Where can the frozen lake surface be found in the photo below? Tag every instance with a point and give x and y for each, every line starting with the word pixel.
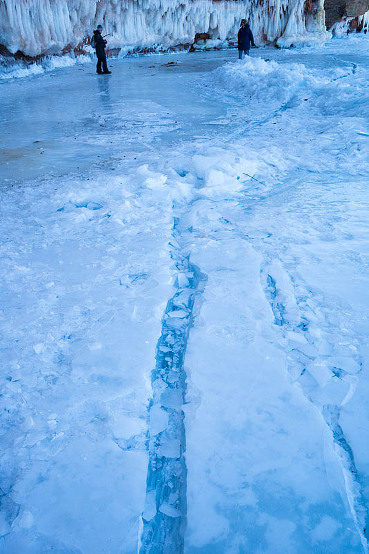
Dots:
pixel 76 118
pixel 184 305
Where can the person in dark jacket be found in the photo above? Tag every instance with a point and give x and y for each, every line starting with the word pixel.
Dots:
pixel 100 44
pixel 245 39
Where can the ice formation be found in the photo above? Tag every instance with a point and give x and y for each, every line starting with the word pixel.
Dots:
pixel 37 27
pixel 363 22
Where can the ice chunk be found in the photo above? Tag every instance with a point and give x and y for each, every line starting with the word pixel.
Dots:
pixel 183 298
pixel 183 281
pixel 175 322
pixel 164 349
pixel 150 505
pixel 171 398
pixel 347 364
pixel 158 419
pixel 169 510
pixel 39 348
pixel 320 372
pixel 178 313
pixel 170 449
pixel 93 206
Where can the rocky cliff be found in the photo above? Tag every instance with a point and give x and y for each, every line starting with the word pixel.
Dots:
pixel 336 10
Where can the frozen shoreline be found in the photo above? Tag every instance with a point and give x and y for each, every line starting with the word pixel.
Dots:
pixel 261 167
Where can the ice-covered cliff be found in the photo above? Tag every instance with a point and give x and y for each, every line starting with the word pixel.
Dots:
pixel 353 13
pixel 37 27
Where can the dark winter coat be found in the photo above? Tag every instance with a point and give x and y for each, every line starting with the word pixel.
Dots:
pixel 100 44
pixel 245 37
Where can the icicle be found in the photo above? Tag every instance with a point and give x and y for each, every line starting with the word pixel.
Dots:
pixel 43 26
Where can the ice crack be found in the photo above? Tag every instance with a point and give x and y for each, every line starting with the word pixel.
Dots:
pixel 304 356
pixel 164 517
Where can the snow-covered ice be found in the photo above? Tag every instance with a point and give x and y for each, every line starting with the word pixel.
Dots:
pixel 187 236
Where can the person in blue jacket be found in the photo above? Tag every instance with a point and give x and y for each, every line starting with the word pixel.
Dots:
pixel 99 43
pixel 245 39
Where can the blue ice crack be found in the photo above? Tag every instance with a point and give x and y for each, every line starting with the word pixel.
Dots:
pixel 164 517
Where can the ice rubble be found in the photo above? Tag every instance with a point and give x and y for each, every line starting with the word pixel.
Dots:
pixel 42 26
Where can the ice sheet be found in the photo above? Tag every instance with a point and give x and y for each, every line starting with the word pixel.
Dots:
pixel 254 171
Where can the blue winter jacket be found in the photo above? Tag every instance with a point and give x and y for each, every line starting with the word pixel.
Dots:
pixel 245 37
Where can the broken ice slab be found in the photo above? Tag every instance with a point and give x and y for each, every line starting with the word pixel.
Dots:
pixel 336 392
pixel 164 349
pixel 158 420
pixel 169 510
pixel 171 398
pixel 170 449
pixel 181 314
pixel 183 298
pixel 296 337
pixel 170 339
pixel 175 322
pixel 158 388
pixel 319 370
pixel 183 280
pixel 150 505
pixel 173 377
pixel 174 496
pixel 304 347
pixel 347 364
